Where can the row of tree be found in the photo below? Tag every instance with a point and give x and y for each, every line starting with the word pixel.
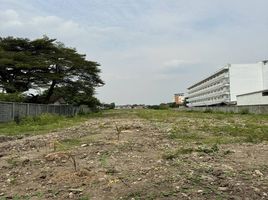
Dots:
pixel 59 71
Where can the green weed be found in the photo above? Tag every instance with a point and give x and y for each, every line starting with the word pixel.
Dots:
pixel 211 127
pixel 39 124
pixel 104 159
pixel 170 155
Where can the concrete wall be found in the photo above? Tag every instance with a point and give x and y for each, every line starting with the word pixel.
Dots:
pixel 252 99
pixel 265 76
pixel 245 78
pixel 9 110
pixel 255 109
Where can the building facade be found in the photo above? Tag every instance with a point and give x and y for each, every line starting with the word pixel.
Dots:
pixel 179 98
pixel 253 98
pixel 223 86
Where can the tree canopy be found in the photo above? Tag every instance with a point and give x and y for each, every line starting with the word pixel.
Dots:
pixel 45 63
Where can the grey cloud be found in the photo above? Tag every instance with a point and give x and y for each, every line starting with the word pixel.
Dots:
pixel 148 49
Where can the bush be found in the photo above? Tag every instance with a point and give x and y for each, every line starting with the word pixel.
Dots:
pixel 41 119
pixel 14 97
pixel 155 107
pixel 208 110
pixel 244 111
pixel 163 106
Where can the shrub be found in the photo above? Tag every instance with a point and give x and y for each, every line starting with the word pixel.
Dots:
pixel 13 97
pixel 208 110
pixel 244 111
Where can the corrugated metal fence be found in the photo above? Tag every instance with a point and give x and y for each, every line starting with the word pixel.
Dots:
pixel 10 110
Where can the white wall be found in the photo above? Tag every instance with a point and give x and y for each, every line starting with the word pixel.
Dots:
pixel 245 78
pixel 252 99
pixel 265 76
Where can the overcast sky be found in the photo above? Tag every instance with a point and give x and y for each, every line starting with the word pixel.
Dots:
pixel 148 49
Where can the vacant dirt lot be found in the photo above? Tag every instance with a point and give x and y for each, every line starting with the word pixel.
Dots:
pixel 141 155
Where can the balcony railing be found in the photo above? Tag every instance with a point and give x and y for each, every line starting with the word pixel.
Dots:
pixel 212 95
pixel 211 102
pixel 205 91
pixel 209 82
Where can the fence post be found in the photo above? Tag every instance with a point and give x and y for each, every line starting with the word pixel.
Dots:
pixel 13 111
pixel 27 109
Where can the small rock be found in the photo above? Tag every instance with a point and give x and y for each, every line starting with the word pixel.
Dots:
pixel 25 161
pixel 84 145
pixel 2 194
pixel 71 195
pixel 75 190
pixel 139 179
pixel 258 172
pixel 183 194
pixel 177 187
pixel 169 129
pixel 200 191
pixel 265 194
pixel 83 156
pixel 101 179
pixel 207 178
pixel 222 188
pixel 256 189
pixel 43 176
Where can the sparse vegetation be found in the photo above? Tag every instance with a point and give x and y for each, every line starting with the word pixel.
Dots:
pixel 188 150
pixel 138 154
pixel 209 127
pixel 39 124
pixel 118 131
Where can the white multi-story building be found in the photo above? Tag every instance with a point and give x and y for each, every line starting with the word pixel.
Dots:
pixel 223 86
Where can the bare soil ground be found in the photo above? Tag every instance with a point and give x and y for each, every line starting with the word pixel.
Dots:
pixel 89 162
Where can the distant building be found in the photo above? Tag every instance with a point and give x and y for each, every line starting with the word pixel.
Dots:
pixel 230 83
pixel 135 106
pixel 179 98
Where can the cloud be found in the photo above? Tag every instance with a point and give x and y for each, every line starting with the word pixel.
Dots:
pixel 14 24
pixel 176 63
pixel 148 49
pixel 9 18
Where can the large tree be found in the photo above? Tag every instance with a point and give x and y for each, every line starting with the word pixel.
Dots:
pixel 46 63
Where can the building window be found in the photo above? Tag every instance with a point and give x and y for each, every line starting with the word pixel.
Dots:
pixel 265 93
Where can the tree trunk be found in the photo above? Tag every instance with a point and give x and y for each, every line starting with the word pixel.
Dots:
pixel 50 91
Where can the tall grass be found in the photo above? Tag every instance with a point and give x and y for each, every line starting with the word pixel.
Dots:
pixel 39 124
